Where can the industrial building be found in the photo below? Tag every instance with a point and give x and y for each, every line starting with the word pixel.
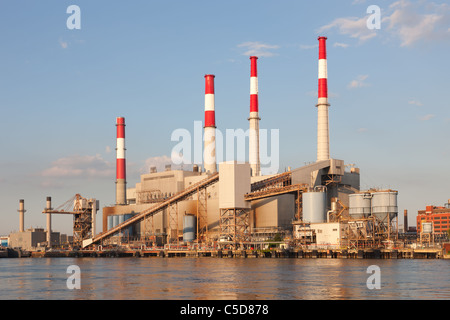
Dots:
pixel 33 239
pixel 305 198
pixel 434 219
pixel 231 203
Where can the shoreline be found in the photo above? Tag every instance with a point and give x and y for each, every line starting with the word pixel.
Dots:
pixel 428 253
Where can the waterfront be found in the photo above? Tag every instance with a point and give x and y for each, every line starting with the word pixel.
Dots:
pixel 223 279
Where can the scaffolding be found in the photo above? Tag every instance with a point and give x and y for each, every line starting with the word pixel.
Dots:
pixel 235 226
pixel 169 204
pixel 370 232
pixel 83 212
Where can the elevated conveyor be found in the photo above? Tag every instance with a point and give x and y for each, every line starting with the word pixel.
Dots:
pixel 182 195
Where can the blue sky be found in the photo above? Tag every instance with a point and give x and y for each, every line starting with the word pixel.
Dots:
pixel 62 89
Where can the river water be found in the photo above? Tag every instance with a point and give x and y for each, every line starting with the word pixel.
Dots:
pixel 222 279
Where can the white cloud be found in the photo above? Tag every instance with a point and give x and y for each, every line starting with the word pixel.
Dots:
pixel 358 82
pixel 108 149
pixel 420 21
pixel 259 49
pixel 404 20
pixel 63 44
pixel 427 117
pixel 80 166
pixel 415 102
pixel 353 27
pixel 340 44
pixel 160 163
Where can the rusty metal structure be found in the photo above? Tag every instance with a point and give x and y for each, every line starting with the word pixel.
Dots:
pixel 83 211
pixel 169 204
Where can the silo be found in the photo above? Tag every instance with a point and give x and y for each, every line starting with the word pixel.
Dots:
pixel 189 227
pixel 121 219
pixel 128 230
pixel 110 222
pixel 384 205
pixel 427 227
pixel 359 205
pixel 115 220
pixel 314 205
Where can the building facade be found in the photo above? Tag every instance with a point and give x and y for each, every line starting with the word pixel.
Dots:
pixel 438 216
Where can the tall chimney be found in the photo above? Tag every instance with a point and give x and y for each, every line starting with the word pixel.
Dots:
pixel 49 220
pixel 323 137
pixel 21 215
pixel 254 159
pixel 121 191
pixel 405 221
pixel 209 152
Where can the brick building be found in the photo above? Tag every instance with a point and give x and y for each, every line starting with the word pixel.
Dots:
pixel 439 216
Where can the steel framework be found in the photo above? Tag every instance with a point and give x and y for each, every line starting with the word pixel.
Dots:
pixel 235 225
pixel 202 215
pixel 182 195
pixel 82 217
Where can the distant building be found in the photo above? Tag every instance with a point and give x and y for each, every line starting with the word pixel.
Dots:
pixel 438 216
pixel 32 239
pixel 4 241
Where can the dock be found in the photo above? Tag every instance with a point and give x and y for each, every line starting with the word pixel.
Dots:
pixel 422 253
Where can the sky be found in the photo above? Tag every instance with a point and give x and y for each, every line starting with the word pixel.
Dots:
pixel 61 89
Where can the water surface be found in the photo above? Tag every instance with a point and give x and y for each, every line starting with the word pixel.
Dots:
pixel 230 279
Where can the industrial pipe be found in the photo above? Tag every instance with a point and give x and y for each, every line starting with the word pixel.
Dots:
pixel 254 158
pixel 121 191
pixel 209 152
pixel 323 137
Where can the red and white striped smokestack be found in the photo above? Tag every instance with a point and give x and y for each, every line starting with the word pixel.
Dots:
pixel 121 195
pixel 323 138
pixel 254 159
pixel 209 155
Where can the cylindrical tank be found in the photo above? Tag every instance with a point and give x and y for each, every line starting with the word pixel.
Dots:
pixel 384 205
pixel 127 231
pixel 189 227
pixel 359 205
pixel 115 220
pixel 427 227
pixel 314 206
pixel 110 222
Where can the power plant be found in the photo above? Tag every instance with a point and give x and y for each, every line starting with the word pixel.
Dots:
pixel 233 206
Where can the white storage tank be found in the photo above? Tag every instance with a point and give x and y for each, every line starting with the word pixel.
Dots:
pixel 115 220
pixel 359 205
pixel 384 205
pixel 189 227
pixel 110 222
pixel 427 227
pixel 314 205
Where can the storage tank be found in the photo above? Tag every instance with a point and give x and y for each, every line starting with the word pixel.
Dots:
pixel 128 230
pixel 427 227
pixel 189 227
pixel 110 222
pixel 314 205
pixel 359 205
pixel 115 220
pixel 384 205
